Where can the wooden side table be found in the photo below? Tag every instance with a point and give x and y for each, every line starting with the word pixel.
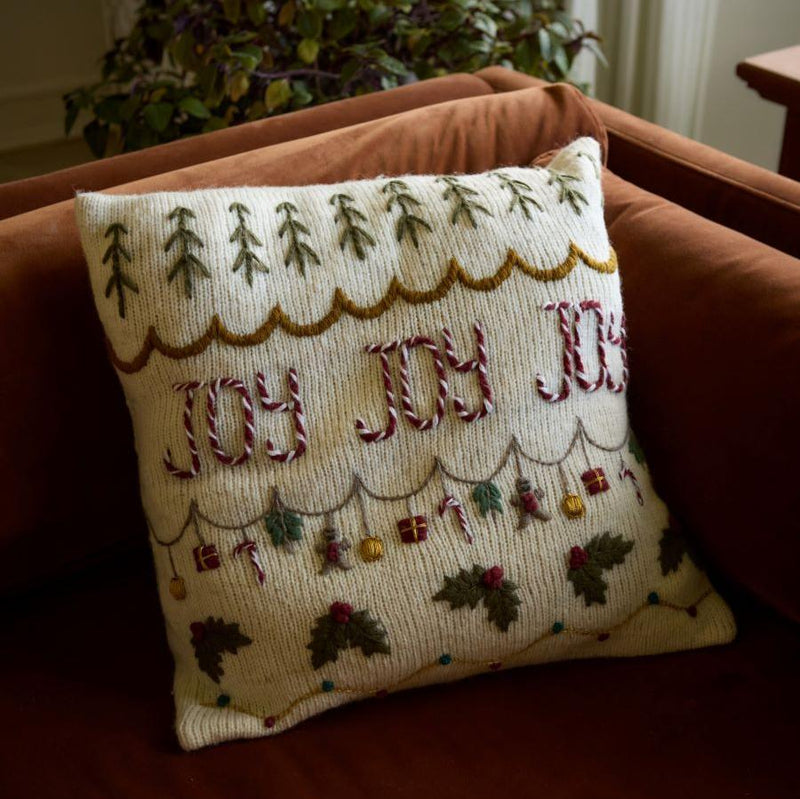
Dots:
pixel 776 77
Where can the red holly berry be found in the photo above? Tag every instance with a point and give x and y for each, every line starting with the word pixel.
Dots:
pixel 198 630
pixel 341 612
pixel 269 722
pixel 577 557
pixel 493 578
pixel 495 665
pixel 332 552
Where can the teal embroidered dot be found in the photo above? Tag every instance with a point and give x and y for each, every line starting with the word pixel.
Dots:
pixel 652 598
pixel 327 686
pixel 558 627
pixel 445 660
pixel 223 700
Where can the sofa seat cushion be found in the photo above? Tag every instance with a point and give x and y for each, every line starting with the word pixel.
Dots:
pixel 88 716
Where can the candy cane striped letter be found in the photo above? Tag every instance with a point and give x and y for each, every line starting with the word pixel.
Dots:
pixel 551 395
pixel 211 412
pixel 476 364
pixel 580 368
pixel 295 407
pixel 186 474
pixel 373 436
pixel 620 341
pixel 405 383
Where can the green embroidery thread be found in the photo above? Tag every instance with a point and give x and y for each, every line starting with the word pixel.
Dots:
pixel 674 544
pixel 566 191
pixel 587 564
pixel 408 221
pixel 350 217
pixel 116 251
pixel 520 194
pixel 246 239
pixel 344 628
pixel 464 206
pixel 592 160
pixel 187 263
pixel 284 527
pixel 212 637
pixel 297 251
pixel 468 588
pixel 487 496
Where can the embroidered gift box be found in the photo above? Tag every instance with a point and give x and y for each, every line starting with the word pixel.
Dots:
pixel 311 370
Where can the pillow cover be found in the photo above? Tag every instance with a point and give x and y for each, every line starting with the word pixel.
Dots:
pixel 383 437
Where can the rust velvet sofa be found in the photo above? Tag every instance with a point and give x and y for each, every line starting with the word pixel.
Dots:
pixel 708 250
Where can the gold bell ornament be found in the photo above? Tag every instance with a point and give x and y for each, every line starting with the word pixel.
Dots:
pixel 573 507
pixel 177 587
pixel 371 548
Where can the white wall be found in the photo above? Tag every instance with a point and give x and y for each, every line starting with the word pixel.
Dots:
pixel 47 48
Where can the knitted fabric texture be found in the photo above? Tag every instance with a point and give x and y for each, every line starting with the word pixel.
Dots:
pixel 383 437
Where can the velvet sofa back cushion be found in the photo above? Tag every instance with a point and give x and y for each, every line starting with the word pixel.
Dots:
pixel 63 403
pixel 28 194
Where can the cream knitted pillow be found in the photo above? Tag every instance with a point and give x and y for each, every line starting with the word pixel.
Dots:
pixel 383 437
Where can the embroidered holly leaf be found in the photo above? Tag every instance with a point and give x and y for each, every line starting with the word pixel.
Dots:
pixel 211 639
pixel 488 497
pixel 465 588
pixel 635 448
pixel 284 527
pixel 608 550
pixel 368 634
pixel 588 582
pixel 328 638
pixel 502 604
pixel 674 544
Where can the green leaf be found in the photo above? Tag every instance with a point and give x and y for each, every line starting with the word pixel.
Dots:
pixel 158 115
pixel 328 638
pixel 544 43
pixel 309 24
pixel 635 448
pixel 307 50
pixel 232 9
pixel 193 107
pixel 465 589
pixel 561 61
pixel 503 604
pixel 488 497
pixel 284 527
pixel 214 123
pixel 96 136
pixel 278 94
pixel 606 550
pixel 588 582
pixel 342 23
pixel 72 114
pixel 217 638
pixel 674 544
pixel 368 634
pixel 256 12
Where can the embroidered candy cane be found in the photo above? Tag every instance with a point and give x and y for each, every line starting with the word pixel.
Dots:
pixel 405 384
pixel 188 427
pixel 624 472
pixel 211 411
pixel 295 407
pixel 450 501
pixel 373 436
pixel 620 341
pixel 251 549
pixel 476 364
pixel 580 369
pixel 566 383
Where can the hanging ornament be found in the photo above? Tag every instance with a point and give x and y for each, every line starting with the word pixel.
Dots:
pixel 206 557
pixel 572 505
pixel 177 587
pixel 251 549
pixel 413 529
pixel 595 481
pixel 333 549
pixel 625 471
pixel 450 501
pixel 371 548
pixel 528 503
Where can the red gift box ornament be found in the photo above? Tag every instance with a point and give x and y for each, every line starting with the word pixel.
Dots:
pixel 206 557
pixel 413 530
pixel 595 481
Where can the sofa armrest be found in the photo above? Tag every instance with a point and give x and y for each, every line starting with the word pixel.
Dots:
pixel 724 189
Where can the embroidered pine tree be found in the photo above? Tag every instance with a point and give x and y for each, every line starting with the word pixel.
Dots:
pixel 350 218
pixel 592 160
pixel 246 240
pixel 463 198
pixel 520 195
pixel 674 544
pixel 408 222
pixel 567 191
pixel 210 639
pixel 488 498
pixel 297 251
pixel 342 627
pixel 187 265
pixel 587 564
pixel 499 596
pixel 284 527
pixel 116 252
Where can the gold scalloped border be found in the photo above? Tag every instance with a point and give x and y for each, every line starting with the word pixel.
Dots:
pixel 599 634
pixel 342 304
